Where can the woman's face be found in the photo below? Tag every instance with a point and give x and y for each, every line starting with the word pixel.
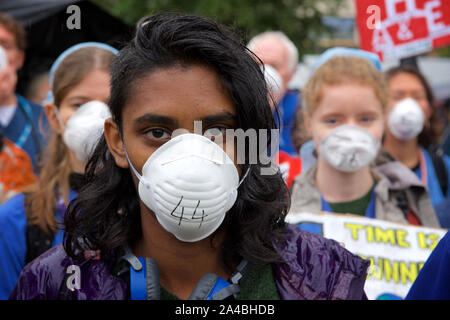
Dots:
pixel 406 85
pixel 164 101
pixel 94 86
pixel 346 104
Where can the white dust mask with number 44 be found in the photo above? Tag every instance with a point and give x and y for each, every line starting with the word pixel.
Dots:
pixel 349 148
pixel 189 183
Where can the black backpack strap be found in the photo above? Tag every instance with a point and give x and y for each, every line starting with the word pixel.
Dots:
pixel 37 240
pixel 436 154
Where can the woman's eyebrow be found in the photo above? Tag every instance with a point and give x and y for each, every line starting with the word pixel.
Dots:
pixel 220 117
pixel 78 98
pixel 157 119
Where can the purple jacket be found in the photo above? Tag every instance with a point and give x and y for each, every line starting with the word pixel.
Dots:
pixel 314 268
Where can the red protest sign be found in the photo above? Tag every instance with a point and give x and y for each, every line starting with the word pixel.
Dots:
pixel 403 28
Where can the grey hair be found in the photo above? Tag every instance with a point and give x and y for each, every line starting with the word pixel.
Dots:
pixel 279 35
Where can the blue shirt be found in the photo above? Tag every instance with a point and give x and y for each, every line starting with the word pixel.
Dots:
pixel 13 223
pixel 433 281
pixel 34 141
pixel 287 109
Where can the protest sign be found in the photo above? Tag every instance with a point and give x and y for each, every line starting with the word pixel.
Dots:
pixel 396 251
pixel 402 28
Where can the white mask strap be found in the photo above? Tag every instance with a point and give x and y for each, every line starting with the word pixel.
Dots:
pixel 131 165
pixel 243 178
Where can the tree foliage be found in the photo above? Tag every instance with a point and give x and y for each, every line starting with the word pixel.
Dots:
pixel 300 20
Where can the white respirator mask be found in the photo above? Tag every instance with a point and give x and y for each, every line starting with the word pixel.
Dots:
pixel 3 59
pixel 349 148
pixel 273 80
pixel 406 119
pixel 84 128
pixel 189 183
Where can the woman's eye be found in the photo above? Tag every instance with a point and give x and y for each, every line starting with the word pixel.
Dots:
pixel 419 97
pixel 215 133
pixel 331 121
pixel 158 134
pixel 367 119
pixel 397 96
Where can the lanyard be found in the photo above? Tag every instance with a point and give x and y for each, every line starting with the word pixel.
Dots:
pixel 423 169
pixel 24 105
pixel 210 286
pixel 138 282
pixel 370 210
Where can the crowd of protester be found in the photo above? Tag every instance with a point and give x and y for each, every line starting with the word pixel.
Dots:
pixel 92 174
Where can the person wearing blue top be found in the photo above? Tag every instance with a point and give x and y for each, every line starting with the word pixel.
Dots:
pixel 30 222
pixel 288 107
pixel 274 48
pixel 410 133
pixel 433 281
pixel 24 128
pixel 21 121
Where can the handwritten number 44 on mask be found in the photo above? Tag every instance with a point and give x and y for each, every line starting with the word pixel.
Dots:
pixel 193 214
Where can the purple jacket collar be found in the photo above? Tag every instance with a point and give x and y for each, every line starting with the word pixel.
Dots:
pixel 313 268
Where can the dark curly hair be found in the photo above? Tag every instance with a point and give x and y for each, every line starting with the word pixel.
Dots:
pixel 105 215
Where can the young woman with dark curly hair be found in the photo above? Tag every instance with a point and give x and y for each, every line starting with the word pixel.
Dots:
pixel 170 215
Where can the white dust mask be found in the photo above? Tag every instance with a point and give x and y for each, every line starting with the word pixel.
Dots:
pixel 273 81
pixel 349 148
pixel 406 119
pixel 3 59
pixel 189 183
pixel 84 128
